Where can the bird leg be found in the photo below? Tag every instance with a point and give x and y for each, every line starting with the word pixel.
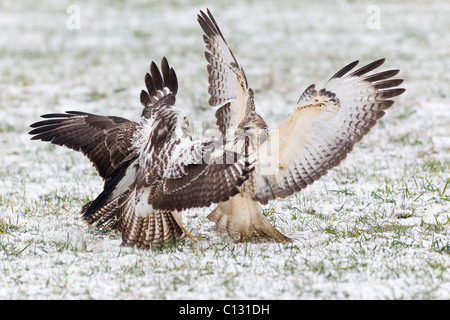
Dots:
pixel 188 234
pixel 179 220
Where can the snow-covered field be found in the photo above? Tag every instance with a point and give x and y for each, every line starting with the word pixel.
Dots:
pixel 377 227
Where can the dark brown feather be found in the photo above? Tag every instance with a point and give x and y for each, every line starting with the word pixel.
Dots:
pixel 345 70
pixel 103 139
pixel 382 75
pixel 367 68
pixel 203 185
pixel 159 84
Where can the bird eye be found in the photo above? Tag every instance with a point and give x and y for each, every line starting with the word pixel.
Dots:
pixel 246 128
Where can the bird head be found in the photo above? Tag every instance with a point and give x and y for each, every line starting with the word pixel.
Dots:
pixel 173 121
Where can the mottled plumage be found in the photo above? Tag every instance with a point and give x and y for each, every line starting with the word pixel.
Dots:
pixel 320 132
pixel 151 168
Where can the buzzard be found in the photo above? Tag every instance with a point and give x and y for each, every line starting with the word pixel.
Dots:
pixel 152 169
pixel 322 129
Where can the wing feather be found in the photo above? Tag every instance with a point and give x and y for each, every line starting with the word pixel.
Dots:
pixel 198 180
pixel 322 130
pixel 228 85
pixel 162 87
pixel 103 139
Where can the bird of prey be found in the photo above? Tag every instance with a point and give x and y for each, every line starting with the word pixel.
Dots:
pixel 322 129
pixel 152 170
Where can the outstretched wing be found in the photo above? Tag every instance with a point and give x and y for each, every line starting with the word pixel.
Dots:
pixel 194 178
pixel 227 80
pixel 105 140
pixel 322 130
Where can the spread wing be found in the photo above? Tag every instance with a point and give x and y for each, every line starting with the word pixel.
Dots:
pixel 227 80
pixel 322 130
pixel 194 178
pixel 105 140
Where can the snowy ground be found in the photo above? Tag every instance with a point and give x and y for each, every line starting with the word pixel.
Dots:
pixel 377 227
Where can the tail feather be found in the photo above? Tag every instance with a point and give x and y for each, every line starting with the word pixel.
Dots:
pixel 156 227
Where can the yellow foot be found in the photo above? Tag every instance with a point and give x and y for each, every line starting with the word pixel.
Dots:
pixel 189 235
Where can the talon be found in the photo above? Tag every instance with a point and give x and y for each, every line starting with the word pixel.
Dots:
pixel 189 235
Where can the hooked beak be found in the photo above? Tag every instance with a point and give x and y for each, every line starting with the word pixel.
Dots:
pixel 240 133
